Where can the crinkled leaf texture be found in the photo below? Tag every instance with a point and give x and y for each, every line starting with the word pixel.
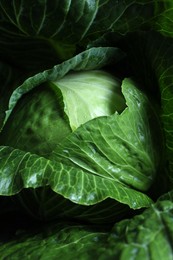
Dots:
pixel 67 241
pixel 27 170
pixel 155 73
pixel 146 236
pixel 35 35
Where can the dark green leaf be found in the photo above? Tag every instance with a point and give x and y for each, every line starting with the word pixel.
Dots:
pixel 147 236
pixel 35 35
pixel 54 241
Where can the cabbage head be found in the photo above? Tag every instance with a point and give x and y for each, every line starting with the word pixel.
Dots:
pixel 80 143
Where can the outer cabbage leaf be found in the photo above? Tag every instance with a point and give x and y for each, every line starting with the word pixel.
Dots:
pixel 70 21
pixel 155 75
pixel 146 236
pixel 65 240
pixel 25 170
pixel 164 20
pixel 149 59
pixel 35 35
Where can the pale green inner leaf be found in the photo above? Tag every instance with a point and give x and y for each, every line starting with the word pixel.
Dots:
pixel 90 94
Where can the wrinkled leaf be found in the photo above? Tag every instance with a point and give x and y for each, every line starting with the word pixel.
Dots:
pixel 36 35
pixel 147 236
